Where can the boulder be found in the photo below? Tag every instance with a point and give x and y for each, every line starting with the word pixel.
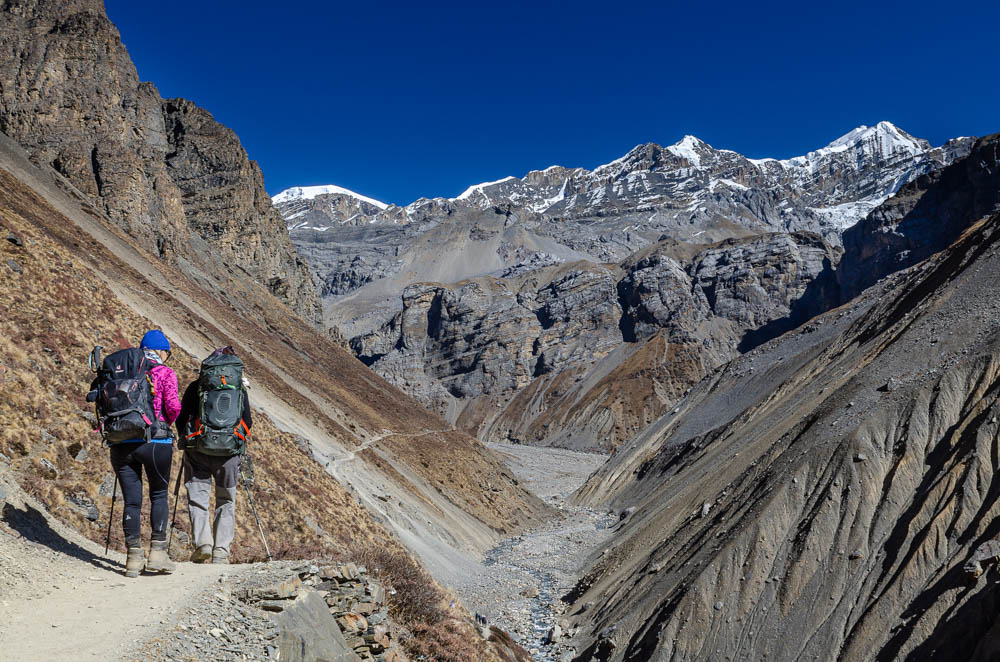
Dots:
pixel 308 633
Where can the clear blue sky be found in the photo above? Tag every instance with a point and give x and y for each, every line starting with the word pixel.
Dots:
pixel 402 100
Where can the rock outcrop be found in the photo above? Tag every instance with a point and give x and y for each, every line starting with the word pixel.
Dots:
pixel 491 337
pixel 925 217
pixel 514 357
pixel 165 172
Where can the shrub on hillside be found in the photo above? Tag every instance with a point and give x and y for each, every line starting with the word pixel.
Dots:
pixel 417 598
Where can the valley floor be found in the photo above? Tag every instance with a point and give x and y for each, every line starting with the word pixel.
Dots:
pixel 520 581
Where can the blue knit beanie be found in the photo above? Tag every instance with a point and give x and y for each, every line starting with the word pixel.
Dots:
pixel 155 340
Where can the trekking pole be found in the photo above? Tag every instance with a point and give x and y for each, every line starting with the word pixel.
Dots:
pixel 111 515
pixel 177 491
pixel 254 509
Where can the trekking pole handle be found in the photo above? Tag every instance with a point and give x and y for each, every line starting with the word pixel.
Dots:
pixel 95 358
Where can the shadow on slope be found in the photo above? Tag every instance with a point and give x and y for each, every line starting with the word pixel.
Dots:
pixel 33 526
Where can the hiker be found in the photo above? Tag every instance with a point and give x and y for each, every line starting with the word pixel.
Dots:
pixel 135 423
pixel 213 427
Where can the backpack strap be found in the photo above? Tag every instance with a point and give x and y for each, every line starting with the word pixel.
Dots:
pixel 199 429
pixel 241 430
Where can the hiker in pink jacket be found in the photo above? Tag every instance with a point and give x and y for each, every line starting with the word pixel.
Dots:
pixel 129 458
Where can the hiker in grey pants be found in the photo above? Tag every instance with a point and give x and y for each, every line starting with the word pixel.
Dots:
pixel 212 538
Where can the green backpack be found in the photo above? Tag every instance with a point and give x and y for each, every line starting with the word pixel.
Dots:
pixel 220 429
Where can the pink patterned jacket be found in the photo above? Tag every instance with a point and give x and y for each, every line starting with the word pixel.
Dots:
pixel 166 403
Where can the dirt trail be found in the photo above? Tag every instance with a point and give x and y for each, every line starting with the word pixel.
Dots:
pixel 62 599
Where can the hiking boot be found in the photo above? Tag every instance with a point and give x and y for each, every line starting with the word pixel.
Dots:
pixel 220 556
pixel 158 559
pixel 134 561
pixel 202 555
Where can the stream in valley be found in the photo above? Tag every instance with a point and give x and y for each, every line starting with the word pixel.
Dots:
pixel 525 576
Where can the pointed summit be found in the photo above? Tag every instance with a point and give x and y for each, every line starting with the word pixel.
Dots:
pixel 885 138
pixel 688 148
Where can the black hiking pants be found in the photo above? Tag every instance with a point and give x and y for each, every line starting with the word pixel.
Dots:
pixel 128 461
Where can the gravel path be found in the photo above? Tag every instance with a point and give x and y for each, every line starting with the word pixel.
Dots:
pixel 520 581
pixel 62 598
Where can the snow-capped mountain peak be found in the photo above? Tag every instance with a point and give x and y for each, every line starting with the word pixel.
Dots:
pixel 687 184
pixel 297 193
pixel 883 140
pixel 687 148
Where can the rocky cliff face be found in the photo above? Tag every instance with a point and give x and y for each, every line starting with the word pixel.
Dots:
pixel 469 348
pixel 164 171
pixel 491 337
pixel 925 217
pixel 707 251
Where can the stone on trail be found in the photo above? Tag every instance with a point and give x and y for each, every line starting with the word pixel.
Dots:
pixel 308 632
pixel 14 266
pixel 283 591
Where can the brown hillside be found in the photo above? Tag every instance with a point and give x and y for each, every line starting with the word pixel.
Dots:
pixel 316 389
pixel 55 308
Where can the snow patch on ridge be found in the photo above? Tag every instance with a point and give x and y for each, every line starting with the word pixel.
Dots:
pixel 845 215
pixel 297 193
pixel 468 193
pixel 544 205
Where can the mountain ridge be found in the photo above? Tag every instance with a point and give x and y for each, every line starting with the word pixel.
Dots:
pixel 163 170
pixel 397 283
pixel 883 139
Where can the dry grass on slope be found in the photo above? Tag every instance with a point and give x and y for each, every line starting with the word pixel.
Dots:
pixel 479 484
pixel 54 309
pixel 320 381
pixel 441 628
pixel 564 411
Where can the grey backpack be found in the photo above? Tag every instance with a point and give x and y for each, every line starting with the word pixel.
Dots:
pixel 219 428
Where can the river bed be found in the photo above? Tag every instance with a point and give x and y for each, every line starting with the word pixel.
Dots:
pixel 523 578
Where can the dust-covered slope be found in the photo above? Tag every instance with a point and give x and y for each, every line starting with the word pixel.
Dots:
pixel 818 498
pixel 71 275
